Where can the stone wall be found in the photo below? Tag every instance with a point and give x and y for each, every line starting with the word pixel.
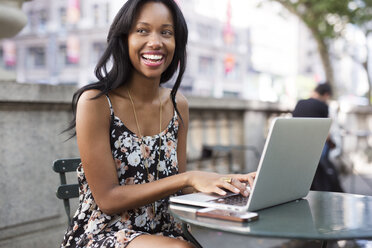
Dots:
pixel 32 118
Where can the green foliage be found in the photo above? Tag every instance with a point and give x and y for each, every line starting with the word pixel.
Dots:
pixel 362 14
pixel 328 18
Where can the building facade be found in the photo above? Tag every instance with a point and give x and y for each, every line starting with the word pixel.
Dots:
pixel 258 60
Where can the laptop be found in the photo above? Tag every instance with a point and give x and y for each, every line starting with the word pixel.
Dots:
pixel 285 172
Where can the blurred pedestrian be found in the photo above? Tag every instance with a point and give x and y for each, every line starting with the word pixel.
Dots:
pixel 326 176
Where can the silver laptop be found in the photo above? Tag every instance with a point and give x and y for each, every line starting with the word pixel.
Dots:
pixel 286 169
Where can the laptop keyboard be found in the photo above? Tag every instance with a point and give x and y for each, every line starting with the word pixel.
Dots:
pixel 237 200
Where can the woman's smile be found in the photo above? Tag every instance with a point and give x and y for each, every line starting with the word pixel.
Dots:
pixel 153 59
pixel 151 41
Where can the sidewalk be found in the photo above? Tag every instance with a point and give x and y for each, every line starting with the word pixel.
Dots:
pixel 359 182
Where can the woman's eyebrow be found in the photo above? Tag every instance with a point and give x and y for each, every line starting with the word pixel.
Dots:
pixel 168 25
pixel 143 23
pixel 148 24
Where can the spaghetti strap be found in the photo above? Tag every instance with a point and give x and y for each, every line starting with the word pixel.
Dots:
pixel 110 104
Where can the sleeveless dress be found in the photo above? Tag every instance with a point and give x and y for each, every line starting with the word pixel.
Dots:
pixel 90 227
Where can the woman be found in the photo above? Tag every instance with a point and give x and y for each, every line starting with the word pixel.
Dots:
pixel 131 135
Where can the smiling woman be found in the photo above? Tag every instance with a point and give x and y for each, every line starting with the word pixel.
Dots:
pixel 151 41
pixel 131 135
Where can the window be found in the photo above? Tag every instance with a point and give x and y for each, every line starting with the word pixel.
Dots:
pixel 69 54
pixel 233 73
pixel 36 57
pixel 108 21
pixel 62 56
pixel 62 17
pixel 31 19
pixel 206 32
pixel 230 94
pixel 2 60
pixel 8 56
pixel 82 10
pixel 96 15
pixel 206 65
pixel 236 39
pixel 43 19
pixel 98 49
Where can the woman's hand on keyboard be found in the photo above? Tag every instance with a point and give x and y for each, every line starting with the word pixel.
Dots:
pixel 243 179
pixel 209 182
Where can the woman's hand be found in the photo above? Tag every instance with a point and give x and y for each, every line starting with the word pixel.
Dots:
pixel 209 182
pixel 245 179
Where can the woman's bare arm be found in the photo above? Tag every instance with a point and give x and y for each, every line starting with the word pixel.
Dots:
pixel 93 128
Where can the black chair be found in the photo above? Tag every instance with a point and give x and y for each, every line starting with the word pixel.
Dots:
pixel 66 191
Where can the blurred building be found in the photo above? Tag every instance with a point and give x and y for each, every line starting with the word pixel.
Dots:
pixel 62 41
pixel 259 60
pixel 219 54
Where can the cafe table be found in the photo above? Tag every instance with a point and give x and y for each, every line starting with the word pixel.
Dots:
pixel 323 216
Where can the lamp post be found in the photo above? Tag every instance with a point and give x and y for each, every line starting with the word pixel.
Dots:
pixel 12 19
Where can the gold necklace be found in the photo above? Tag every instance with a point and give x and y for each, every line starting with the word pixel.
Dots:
pixel 141 140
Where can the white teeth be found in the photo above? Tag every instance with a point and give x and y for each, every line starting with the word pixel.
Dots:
pixel 152 56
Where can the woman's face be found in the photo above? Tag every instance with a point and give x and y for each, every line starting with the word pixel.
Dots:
pixel 151 41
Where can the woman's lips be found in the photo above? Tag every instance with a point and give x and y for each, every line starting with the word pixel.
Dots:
pixel 152 60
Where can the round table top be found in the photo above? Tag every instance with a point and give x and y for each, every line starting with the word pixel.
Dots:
pixel 319 216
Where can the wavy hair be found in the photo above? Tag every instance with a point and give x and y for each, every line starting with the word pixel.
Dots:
pixel 114 68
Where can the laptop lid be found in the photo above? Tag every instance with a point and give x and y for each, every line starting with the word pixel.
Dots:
pixel 289 160
pixel 286 168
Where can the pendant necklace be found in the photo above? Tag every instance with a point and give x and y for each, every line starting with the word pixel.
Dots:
pixel 142 145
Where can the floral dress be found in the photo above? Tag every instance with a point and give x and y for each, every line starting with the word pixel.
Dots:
pixel 90 227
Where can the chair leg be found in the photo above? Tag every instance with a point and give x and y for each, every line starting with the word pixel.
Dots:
pixel 67 210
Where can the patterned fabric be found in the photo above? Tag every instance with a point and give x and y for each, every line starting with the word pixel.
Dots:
pixel 90 227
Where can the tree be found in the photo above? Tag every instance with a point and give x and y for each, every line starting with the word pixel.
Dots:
pixel 326 21
pixel 362 17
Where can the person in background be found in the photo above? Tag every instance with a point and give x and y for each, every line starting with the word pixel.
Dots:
pixel 131 135
pixel 316 105
pixel 326 176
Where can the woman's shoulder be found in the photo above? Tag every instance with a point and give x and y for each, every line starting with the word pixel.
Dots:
pixel 92 100
pixel 89 94
pixel 181 99
pixel 182 103
pixel 92 97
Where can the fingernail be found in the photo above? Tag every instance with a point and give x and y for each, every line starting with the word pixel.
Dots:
pixel 245 193
pixel 236 190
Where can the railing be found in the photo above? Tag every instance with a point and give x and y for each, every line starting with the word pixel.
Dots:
pixel 352 132
pixel 227 135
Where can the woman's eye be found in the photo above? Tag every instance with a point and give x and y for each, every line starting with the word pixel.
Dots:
pixel 168 32
pixel 141 31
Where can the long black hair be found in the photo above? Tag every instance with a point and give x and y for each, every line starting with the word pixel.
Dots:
pixel 116 54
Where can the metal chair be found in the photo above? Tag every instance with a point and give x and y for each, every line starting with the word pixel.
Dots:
pixel 66 191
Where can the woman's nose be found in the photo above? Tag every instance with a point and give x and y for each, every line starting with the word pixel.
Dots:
pixel 154 41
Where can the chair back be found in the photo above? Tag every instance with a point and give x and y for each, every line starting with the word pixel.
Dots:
pixel 66 191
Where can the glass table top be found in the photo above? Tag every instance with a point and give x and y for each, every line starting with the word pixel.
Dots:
pixel 320 215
